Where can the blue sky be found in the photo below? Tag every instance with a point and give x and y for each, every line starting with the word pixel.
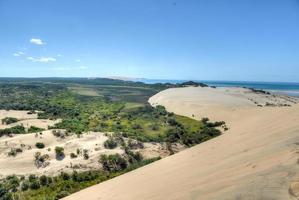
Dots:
pixel 253 40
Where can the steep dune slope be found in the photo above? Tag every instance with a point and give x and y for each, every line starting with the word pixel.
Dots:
pixel 255 159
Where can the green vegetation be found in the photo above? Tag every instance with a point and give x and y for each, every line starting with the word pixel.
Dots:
pixel 19 129
pixel 9 120
pixel 113 163
pixel 14 151
pixel 59 151
pixel 41 160
pixel 100 105
pixel 34 129
pixel 52 188
pixel 110 143
pixel 40 145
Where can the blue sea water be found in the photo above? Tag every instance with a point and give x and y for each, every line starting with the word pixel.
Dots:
pixel 291 89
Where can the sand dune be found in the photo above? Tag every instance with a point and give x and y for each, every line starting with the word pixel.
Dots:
pixel 257 159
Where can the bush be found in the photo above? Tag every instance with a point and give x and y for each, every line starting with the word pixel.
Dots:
pixel 73 155
pixel 40 145
pixel 110 144
pixel 43 180
pixel 172 122
pixel 12 152
pixel 133 157
pixel 19 129
pixel 85 154
pixel 41 160
pixel 135 144
pixel 34 185
pixel 65 176
pixel 59 152
pixel 113 163
pixel 9 120
pixel 25 186
pixel 62 194
pixel 58 133
pixel 34 129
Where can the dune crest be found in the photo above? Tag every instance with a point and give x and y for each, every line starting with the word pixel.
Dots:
pixel 257 158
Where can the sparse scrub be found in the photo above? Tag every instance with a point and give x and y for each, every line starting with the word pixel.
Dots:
pixel 73 155
pixel 34 129
pixel 59 151
pixel 113 163
pixel 85 154
pixel 19 129
pixel 9 120
pixel 41 160
pixel 40 145
pixel 110 143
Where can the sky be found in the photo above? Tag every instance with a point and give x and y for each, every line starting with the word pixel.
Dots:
pixel 241 40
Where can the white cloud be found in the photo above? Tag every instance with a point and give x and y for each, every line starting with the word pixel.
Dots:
pixel 20 53
pixel 78 60
pixel 42 59
pixel 59 55
pixel 82 67
pixel 36 41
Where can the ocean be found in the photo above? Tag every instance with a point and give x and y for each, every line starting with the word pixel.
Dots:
pixel 291 89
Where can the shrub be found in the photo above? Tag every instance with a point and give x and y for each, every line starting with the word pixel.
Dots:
pixel 40 145
pixel 25 185
pixel 34 129
pixel 58 133
pixel 59 152
pixel 135 144
pixel 12 152
pixel 41 160
pixel 43 180
pixel 9 120
pixel 65 176
pixel 62 194
pixel 73 155
pixel 172 122
pixel 34 185
pixel 133 157
pixel 85 154
pixel 110 144
pixel 19 129
pixel 113 163
pixel 32 178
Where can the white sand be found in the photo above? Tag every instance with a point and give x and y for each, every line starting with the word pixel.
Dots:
pixel 255 160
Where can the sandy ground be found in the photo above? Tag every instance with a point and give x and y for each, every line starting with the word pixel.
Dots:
pixel 25 119
pixel 256 159
pixel 23 162
pixel 217 104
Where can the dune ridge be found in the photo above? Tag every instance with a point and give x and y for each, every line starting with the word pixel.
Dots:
pixel 257 158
